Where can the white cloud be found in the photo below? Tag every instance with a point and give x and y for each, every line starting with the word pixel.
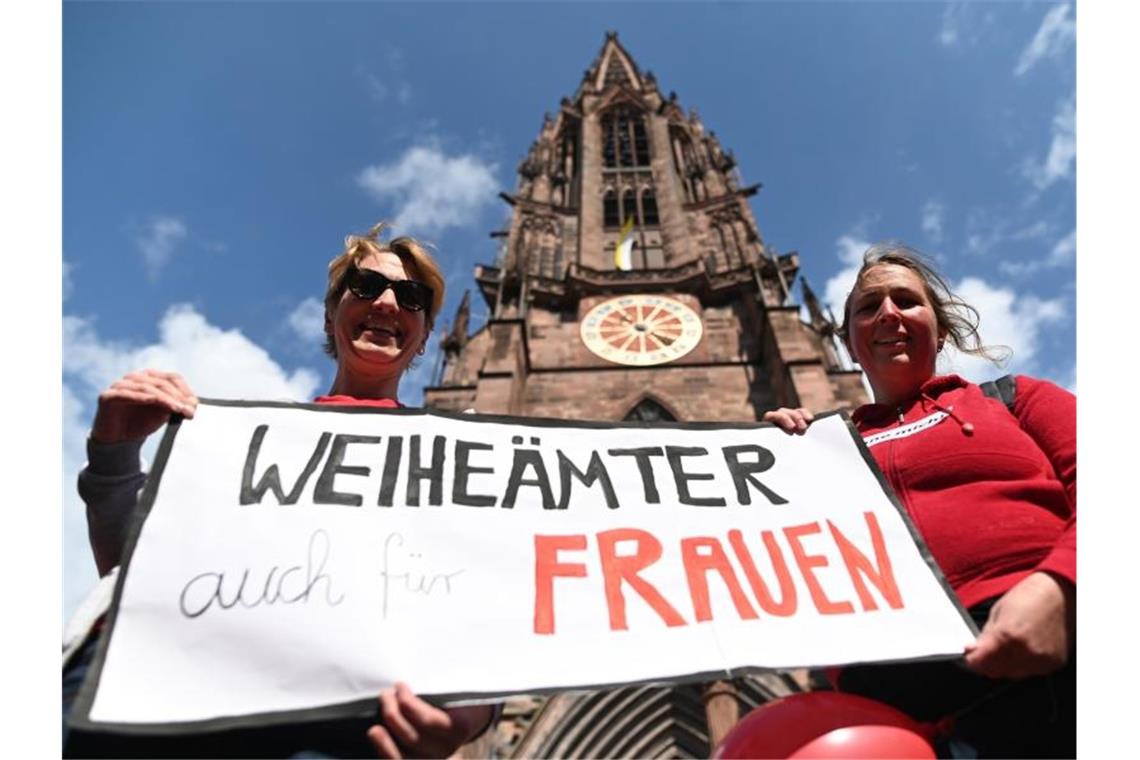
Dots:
pixel 1058 164
pixel 1007 319
pixel 1062 253
pixel 933 216
pixel 979 243
pixel 850 249
pixel 1056 33
pixel 949 33
pixel 377 89
pixel 431 191
pixel 308 320
pixel 1035 231
pixel 79 574
pixel 963 24
pixel 215 362
pixel 986 231
pixel 157 242
pixel 1065 249
pixel 380 88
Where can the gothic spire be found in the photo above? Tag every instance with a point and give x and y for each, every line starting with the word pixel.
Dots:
pixel 456 337
pixel 614 65
pixel 824 324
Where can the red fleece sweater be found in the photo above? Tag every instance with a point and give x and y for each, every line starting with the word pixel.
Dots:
pixel 993 506
pixel 380 403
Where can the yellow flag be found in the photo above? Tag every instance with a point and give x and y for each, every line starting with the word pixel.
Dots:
pixel 623 252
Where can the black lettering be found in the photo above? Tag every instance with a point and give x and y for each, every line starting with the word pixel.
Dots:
pixel 528 458
pixel 433 473
pixel 674 454
pixel 644 467
pixel 595 471
pixel 743 473
pixel 323 492
pixel 463 470
pixel 391 470
pixel 271 479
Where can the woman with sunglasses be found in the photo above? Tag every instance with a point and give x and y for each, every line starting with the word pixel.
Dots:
pixel 380 304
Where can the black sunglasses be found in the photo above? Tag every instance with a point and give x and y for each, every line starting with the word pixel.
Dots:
pixel 370 285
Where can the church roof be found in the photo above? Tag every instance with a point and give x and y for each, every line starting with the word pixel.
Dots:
pixel 613 65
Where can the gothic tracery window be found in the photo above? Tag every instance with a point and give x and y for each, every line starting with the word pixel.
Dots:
pixel 629 207
pixel 649 411
pixel 611 216
pixel 625 143
pixel 649 208
pixel 628 178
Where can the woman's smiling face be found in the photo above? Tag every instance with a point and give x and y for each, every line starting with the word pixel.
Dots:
pixel 893 331
pixel 377 336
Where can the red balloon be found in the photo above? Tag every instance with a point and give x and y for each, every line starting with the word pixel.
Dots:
pixel 883 742
pixel 826 724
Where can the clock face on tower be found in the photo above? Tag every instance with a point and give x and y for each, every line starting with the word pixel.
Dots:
pixel 641 330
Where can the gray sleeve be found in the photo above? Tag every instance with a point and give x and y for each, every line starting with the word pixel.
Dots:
pixel 109 485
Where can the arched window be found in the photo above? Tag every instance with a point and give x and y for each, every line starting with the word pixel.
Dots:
pixel 629 206
pixel 640 142
pixel 569 167
pixel 611 217
pixel 625 143
pixel 649 208
pixel 649 411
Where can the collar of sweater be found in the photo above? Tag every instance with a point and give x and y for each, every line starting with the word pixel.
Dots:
pixel 873 414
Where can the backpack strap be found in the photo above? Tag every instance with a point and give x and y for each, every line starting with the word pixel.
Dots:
pixel 1004 389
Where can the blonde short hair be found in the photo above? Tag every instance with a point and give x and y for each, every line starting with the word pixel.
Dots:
pixel 420 265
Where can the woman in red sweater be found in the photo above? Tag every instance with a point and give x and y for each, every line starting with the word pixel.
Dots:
pixel 380 304
pixel 992 490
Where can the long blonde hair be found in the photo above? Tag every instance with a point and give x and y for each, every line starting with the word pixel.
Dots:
pixel 956 318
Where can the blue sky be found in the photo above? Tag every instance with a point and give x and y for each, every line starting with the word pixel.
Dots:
pixel 215 155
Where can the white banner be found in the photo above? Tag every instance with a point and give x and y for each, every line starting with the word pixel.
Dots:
pixel 295 557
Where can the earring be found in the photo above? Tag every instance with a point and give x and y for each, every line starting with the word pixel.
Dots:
pixel 940 343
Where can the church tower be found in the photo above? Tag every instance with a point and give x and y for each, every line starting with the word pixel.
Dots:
pixel 634 283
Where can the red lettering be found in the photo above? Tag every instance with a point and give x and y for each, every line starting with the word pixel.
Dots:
pixel 787 603
pixel 697 567
pixel 546 569
pixel 806 563
pixel 858 566
pixel 616 570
